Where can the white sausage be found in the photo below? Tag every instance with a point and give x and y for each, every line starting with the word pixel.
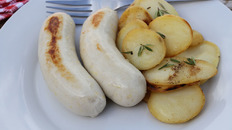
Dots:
pixel 62 71
pixel 120 80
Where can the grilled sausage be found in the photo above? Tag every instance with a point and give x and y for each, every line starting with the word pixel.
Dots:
pixel 120 80
pixel 62 71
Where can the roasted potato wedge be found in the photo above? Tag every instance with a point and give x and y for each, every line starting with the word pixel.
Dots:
pixel 178 33
pixel 165 88
pixel 132 13
pixel 177 106
pixel 152 7
pixel 206 51
pixel 144 48
pixel 171 73
pixel 159 88
pixel 127 28
pixel 197 38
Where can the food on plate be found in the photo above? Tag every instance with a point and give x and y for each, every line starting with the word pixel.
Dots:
pixel 206 51
pixel 165 88
pixel 177 106
pixel 155 8
pixel 133 13
pixel 179 71
pixel 197 38
pixel 127 28
pixel 120 80
pixel 149 31
pixel 62 71
pixel 173 91
pixel 144 48
pixel 177 31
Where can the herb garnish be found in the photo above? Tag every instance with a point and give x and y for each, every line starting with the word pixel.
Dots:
pixel 174 60
pixel 162 35
pixel 142 47
pixel 128 52
pixel 162 6
pixel 191 61
pixel 166 65
pixel 161 12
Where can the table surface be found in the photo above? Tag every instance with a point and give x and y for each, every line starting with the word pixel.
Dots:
pixel 228 3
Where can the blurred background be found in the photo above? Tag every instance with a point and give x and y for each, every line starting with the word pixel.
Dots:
pixel 228 3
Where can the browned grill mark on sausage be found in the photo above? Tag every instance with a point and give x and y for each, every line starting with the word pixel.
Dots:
pixel 53 25
pixel 97 18
pixel 53 55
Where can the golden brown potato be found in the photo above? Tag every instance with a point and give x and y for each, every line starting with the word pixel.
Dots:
pixel 165 88
pixel 178 33
pixel 127 28
pixel 206 51
pixel 159 88
pixel 169 72
pixel 152 7
pixel 133 13
pixel 177 106
pixel 197 38
pixel 143 48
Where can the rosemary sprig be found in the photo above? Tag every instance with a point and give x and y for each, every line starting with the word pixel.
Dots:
pixel 165 66
pixel 142 47
pixel 161 5
pixel 128 52
pixel 161 12
pixel 175 60
pixel 164 12
pixel 148 48
pixel 162 35
pixel 191 61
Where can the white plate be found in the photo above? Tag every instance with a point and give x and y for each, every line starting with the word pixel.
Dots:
pixel 27 104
